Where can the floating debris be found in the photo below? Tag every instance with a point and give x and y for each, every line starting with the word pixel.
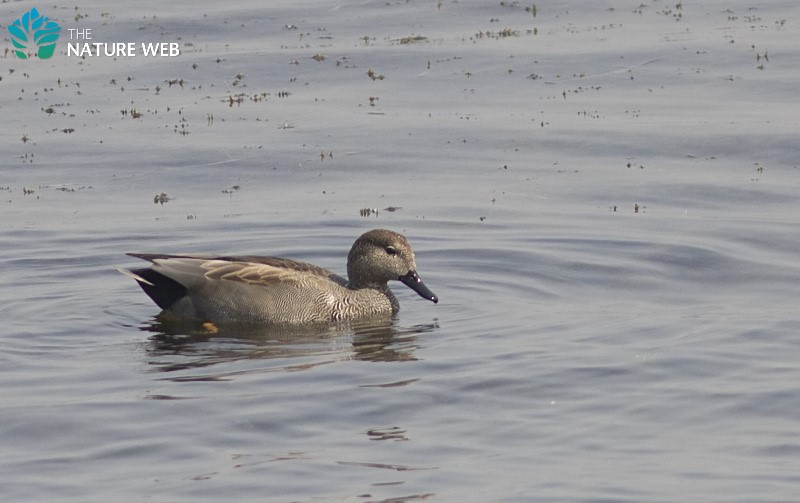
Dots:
pixel 393 433
pixel 412 39
pixel 318 57
pixel 161 198
pixel 504 33
pixel 374 76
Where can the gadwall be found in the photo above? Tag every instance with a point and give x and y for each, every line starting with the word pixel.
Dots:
pixel 268 290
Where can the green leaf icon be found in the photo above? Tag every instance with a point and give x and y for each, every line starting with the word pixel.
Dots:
pixel 34 31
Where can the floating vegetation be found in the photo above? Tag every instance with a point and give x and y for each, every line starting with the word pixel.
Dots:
pixel 637 208
pixel 64 188
pixel 412 39
pixel 134 113
pixel 374 76
pixel 676 14
pixel 759 57
pixel 367 212
pixel 507 32
pixel 514 3
pixel 182 128
pixel 239 98
pixel 161 198
pixel 345 62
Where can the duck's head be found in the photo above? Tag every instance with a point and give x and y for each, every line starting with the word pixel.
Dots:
pixel 381 255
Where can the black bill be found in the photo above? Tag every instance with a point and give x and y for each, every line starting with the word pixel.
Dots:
pixel 414 282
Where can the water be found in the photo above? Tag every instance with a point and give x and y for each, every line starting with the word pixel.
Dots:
pixel 606 208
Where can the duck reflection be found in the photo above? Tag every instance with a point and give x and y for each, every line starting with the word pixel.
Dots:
pixel 178 344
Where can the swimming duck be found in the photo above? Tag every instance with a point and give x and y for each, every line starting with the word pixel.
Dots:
pixel 272 290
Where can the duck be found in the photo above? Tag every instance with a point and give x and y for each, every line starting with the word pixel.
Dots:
pixel 274 290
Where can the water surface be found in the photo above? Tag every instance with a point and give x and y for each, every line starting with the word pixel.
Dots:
pixel 603 197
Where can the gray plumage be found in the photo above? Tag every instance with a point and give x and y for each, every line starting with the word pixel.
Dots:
pixel 269 290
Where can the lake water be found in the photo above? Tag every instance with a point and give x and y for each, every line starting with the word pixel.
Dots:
pixel 604 197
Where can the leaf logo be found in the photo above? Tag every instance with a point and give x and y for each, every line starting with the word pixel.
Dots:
pixel 34 31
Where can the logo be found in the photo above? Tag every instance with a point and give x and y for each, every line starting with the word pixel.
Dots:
pixel 34 32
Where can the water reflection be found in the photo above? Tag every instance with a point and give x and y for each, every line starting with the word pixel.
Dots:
pixel 178 345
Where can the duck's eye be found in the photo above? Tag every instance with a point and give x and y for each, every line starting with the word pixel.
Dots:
pixel 391 250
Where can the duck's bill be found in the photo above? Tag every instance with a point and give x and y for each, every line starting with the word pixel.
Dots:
pixel 414 282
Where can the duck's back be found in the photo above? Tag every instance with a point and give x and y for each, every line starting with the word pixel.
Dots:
pixel 254 289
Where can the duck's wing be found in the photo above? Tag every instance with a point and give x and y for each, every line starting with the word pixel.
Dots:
pixel 189 269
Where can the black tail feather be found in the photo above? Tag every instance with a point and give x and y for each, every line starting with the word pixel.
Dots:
pixel 163 290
